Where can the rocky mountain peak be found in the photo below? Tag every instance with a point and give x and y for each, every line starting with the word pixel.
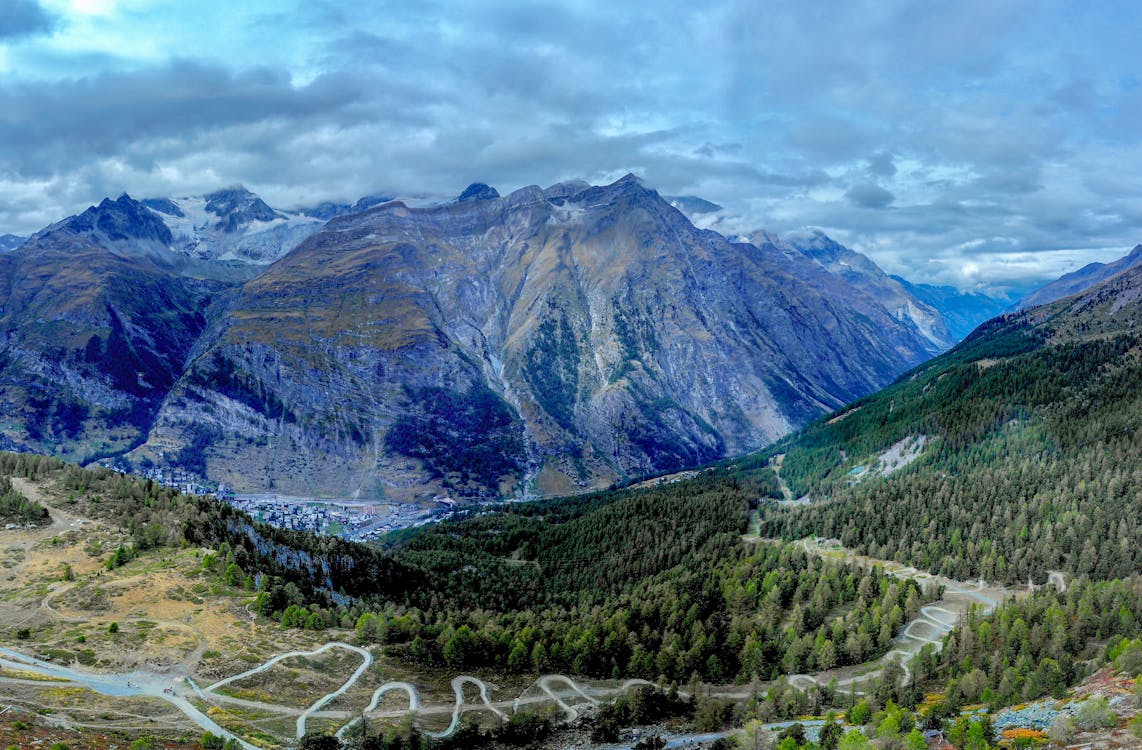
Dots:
pixel 566 189
pixel 236 207
pixel 113 221
pixel 10 242
pixel 478 191
pixel 627 192
pixel 692 205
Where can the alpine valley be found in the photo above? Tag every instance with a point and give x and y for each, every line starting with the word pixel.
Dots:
pixel 539 343
pixel 951 561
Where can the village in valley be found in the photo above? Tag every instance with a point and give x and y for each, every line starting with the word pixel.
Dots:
pixel 351 519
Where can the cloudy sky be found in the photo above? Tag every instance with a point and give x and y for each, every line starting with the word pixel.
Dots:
pixel 975 142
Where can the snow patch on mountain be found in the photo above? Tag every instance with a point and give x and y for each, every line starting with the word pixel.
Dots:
pixel 232 226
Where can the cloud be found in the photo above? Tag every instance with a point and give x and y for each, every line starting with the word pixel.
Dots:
pixel 987 139
pixel 45 129
pixel 21 18
pixel 867 195
pixel 881 165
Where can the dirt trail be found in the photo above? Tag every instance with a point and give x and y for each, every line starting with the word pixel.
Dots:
pixel 123 685
pixel 776 463
pixel 303 717
pixel 932 623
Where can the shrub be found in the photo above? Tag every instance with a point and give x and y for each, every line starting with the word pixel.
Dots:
pixel 1094 713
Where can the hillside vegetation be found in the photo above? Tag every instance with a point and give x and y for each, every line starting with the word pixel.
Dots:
pixel 17 509
pixel 1035 465
pixel 650 583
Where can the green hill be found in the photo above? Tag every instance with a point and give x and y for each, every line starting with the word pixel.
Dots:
pixel 1033 460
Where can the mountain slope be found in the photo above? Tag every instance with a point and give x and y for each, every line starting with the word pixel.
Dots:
pixel 860 271
pixel 10 242
pixel 1013 454
pixel 961 311
pixel 1082 279
pixel 96 321
pixel 539 341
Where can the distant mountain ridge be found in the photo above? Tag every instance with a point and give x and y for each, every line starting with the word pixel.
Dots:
pixel 1082 279
pixel 328 210
pixel 540 342
pixel 962 311
pixel 861 270
pixel 10 242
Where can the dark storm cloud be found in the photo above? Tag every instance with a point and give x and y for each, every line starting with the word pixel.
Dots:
pixel 44 129
pixel 19 18
pixel 882 165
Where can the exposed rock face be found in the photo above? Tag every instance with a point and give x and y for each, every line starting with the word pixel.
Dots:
pixel 961 311
pixel 94 331
pixel 237 207
pixel 544 341
pixel 1082 279
pixel 860 271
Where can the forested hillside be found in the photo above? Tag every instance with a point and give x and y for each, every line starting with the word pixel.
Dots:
pixel 640 583
pixel 1034 461
pixel 653 583
pixel 1039 645
pixel 15 508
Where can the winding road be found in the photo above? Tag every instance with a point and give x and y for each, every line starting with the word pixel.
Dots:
pixel 933 621
pixel 121 685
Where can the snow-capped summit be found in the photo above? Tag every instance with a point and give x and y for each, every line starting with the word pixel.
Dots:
pixel 232 225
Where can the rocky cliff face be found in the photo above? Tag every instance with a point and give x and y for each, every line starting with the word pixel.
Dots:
pixel 544 341
pixel 861 272
pixel 961 311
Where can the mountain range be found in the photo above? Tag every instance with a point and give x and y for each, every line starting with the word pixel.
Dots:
pixel 541 342
pixel 1082 279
